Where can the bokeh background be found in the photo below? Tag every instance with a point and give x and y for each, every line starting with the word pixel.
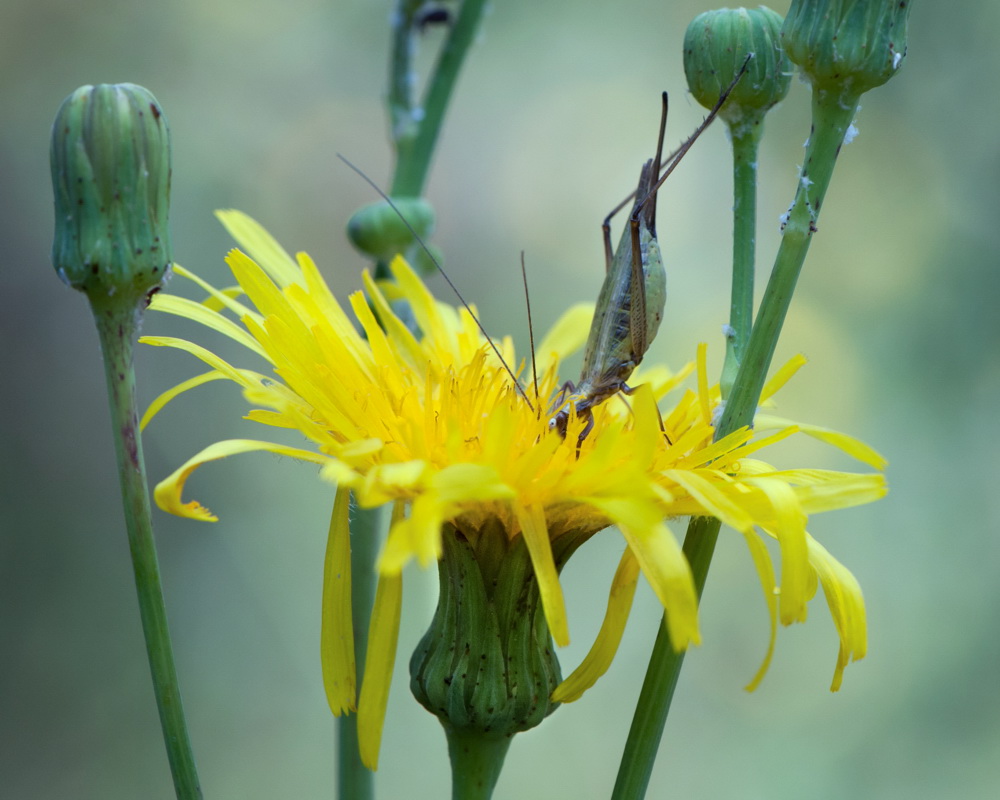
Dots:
pixel 554 113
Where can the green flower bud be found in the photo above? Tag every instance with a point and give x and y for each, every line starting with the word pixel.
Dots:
pixel 378 231
pixel 487 665
pixel 716 45
pixel 853 44
pixel 110 158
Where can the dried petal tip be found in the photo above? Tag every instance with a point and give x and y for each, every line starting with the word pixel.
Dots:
pixel 110 157
pixel 853 44
pixel 716 45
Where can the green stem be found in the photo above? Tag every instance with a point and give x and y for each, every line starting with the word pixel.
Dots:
pixel 661 676
pixel 415 130
pixel 117 326
pixel 476 761
pixel 832 115
pixel 746 139
pixel 354 780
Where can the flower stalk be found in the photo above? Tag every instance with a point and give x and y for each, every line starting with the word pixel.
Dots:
pixel 844 47
pixel 414 130
pixel 110 158
pixel 118 329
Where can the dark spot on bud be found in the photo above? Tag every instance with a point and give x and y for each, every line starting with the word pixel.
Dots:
pixel 94 269
pixel 155 110
pixel 138 251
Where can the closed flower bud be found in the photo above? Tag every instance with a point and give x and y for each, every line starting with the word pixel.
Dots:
pixel 716 46
pixel 378 231
pixel 487 664
pixel 110 158
pixel 854 44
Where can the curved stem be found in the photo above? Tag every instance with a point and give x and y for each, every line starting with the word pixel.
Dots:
pixel 832 115
pixel 117 325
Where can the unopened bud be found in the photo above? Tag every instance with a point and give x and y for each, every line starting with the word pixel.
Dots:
pixel 851 44
pixel 379 230
pixel 716 46
pixel 110 158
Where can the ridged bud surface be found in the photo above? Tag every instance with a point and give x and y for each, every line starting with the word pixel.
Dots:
pixel 716 45
pixel 487 662
pixel 110 158
pixel 857 44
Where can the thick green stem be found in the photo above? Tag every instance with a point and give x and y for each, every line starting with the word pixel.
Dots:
pixel 354 780
pixel 415 129
pixel 117 325
pixel 476 761
pixel 745 138
pixel 832 115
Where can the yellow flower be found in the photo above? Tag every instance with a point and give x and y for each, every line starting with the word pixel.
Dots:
pixel 434 423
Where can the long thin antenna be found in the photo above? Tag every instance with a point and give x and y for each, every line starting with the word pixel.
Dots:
pixel 531 327
pixel 458 294
pixel 679 153
pixel 670 162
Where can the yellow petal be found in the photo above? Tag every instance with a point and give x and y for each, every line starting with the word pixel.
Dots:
pixel 536 537
pixel 597 661
pixel 168 491
pixel 782 376
pixel 713 501
pixel 661 561
pixel 765 571
pixel 848 444
pixel 158 404
pixel 383 636
pixel 336 641
pixel 847 607
pixel 239 376
pixel 418 536
pixel 703 392
pixel 197 312
pixel 788 526
pixel 260 245
pixel 217 299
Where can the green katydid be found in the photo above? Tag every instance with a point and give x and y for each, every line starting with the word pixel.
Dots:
pixel 630 305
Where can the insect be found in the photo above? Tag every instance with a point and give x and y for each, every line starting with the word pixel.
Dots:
pixel 632 299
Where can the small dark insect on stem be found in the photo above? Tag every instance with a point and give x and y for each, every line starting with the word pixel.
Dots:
pixel 458 294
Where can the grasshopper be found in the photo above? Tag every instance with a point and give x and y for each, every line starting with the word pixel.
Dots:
pixel 630 305
pixel 632 299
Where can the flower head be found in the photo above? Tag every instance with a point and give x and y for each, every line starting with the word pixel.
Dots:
pixel 432 422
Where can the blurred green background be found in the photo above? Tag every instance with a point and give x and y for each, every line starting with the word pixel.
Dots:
pixel 553 115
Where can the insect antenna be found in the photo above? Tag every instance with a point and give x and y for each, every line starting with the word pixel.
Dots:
pixel 531 327
pixel 458 294
pixel 675 157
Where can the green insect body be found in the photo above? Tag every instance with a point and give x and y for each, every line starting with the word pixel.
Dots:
pixel 628 314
